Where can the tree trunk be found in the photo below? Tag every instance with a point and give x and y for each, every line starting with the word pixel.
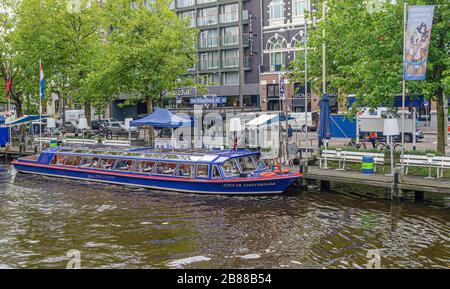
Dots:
pixel 19 104
pixel 87 111
pixel 441 129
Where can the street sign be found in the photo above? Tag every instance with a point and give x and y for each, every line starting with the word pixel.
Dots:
pixel 208 99
pixel 179 96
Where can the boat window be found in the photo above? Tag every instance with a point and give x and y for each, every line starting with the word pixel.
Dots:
pixel 89 162
pixel 166 168
pixel 106 164
pixel 185 170
pixel 59 160
pixel 73 161
pixel 203 171
pixel 216 172
pixel 124 165
pixel 246 164
pixel 261 165
pixel 230 168
pixel 143 166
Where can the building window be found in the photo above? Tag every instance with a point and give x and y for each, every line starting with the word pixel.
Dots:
pixel 276 45
pixel 229 13
pixel 207 16
pixel 230 36
pixel 298 43
pixel 299 7
pixel 209 38
pixel 189 15
pixel 230 58
pixel 273 97
pixel 185 3
pixel 209 79
pixel 209 60
pixel 276 9
pixel 230 78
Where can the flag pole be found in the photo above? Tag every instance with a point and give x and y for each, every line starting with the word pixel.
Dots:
pixel 40 107
pixel 306 93
pixel 403 86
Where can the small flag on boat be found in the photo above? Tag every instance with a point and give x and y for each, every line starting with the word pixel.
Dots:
pixel 42 82
pixel 8 83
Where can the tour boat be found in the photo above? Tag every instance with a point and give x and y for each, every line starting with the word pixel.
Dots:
pixel 216 172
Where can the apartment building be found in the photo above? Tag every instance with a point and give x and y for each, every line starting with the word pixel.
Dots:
pixel 282 38
pixel 229 48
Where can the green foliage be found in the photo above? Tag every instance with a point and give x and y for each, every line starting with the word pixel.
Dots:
pixel 153 49
pixel 95 51
pixel 364 47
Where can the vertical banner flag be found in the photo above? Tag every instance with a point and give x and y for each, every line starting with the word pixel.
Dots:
pixel 42 82
pixel 417 41
pixel 282 88
pixel 8 83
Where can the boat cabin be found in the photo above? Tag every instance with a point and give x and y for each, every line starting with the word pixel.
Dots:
pixel 185 164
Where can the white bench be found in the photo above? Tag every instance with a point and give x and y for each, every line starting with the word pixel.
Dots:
pixel 43 139
pixel 123 143
pixel 350 156
pixel 69 141
pixel 438 162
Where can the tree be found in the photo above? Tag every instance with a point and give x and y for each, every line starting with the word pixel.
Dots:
pixel 364 42
pixel 66 39
pixel 153 49
pixel 8 20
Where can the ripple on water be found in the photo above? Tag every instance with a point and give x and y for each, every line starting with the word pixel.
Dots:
pixel 186 261
pixel 115 227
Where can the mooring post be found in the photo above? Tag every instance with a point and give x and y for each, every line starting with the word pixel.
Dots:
pixel 418 196
pixel 324 185
pixel 395 190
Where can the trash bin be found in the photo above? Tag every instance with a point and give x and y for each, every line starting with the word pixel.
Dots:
pixel 53 142
pixel 368 165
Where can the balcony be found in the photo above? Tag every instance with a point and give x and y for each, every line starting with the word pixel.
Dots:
pixel 230 62
pixel 208 42
pixel 185 3
pixel 231 39
pixel 207 20
pixel 273 68
pixel 229 17
pixel 209 64
pixel 199 2
pixel 247 62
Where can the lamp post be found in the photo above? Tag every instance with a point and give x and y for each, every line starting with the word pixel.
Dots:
pixel 391 129
pixel 82 124
pixel 235 126
pixel 430 161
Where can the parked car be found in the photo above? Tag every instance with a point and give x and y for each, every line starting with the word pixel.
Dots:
pixel 118 128
pixel 71 127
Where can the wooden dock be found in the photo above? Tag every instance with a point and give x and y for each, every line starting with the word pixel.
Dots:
pixel 14 152
pixel 398 185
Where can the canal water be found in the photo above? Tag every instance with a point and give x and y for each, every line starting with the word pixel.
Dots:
pixel 42 219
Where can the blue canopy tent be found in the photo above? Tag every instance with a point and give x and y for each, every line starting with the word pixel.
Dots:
pixel 25 119
pixel 4 135
pixel 325 123
pixel 162 118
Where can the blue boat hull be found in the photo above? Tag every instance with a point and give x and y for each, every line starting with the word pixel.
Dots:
pixel 260 185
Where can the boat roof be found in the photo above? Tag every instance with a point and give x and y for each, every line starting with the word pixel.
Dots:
pixel 151 154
